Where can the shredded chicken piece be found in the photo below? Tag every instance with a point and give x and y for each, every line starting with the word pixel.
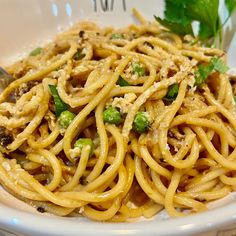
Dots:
pixel 123 103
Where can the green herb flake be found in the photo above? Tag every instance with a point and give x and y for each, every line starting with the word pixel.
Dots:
pixel 78 55
pixel 219 65
pixel 122 82
pixel 215 64
pixel 234 98
pixel 60 106
pixel 36 52
pixel 138 69
pixel 172 92
pixel 117 36
pixel 202 74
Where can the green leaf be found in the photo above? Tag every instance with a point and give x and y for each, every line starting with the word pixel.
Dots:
pixel 172 92
pixel 219 65
pixel 180 14
pixel 204 11
pixel 60 106
pixel 215 64
pixel 36 52
pixel 122 82
pixel 138 69
pixel 205 32
pixel 230 4
pixel 175 12
pixel 117 36
pixel 202 73
pixel 176 27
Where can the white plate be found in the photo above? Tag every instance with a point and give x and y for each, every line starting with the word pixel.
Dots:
pixel 26 24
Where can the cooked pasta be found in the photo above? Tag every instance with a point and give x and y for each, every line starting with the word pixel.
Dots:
pixel 110 124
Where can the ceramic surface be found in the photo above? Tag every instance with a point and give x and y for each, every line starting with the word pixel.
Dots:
pixel 26 24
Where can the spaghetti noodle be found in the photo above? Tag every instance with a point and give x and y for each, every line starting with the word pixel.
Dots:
pixel 108 168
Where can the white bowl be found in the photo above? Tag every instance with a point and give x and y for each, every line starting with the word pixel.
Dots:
pixel 26 24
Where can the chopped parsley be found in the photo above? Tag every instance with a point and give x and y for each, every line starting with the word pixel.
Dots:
pixel 215 64
pixel 36 52
pixel 219 65
pixel 78 55
pixel 172 92
pixel 117 36
pixel 122 82
pixel 60 106
pixel 138 69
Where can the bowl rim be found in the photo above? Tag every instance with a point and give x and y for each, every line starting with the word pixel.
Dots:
pixel 27 222
pixel 40 224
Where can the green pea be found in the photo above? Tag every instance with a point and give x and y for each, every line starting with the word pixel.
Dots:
pixel 82 142
pixel 172 92
pixel 141 122
pixel 122 82
pixel 112 116
pixel 66 118
pixel 138 69
pixel 36 52
pixel 117 36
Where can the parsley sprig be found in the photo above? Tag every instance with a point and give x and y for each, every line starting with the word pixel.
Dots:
pixel 180 14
